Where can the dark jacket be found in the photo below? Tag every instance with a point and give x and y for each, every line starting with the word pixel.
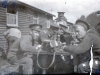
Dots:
pixel 83 49
pixel 86 44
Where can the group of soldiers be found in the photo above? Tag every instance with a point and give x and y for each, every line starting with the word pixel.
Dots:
pixel 26 50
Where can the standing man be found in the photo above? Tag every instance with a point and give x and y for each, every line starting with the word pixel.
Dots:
pixel 83 48
pixel 65 36
pixel 21 51
pixel 12 34
pixel 61 66
pixel 48 44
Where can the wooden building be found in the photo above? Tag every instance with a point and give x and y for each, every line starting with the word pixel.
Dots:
pixel 17 13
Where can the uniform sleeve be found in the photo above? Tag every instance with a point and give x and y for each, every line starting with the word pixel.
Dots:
pixel 82 47
pixel 6 33
pixel 26 45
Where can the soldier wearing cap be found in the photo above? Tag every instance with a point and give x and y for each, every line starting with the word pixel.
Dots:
pixel 65 36
pixel 52 32
pixel 20 51
pixel 83 48
pixel 48 45
pixel 60 66
pixel 65 39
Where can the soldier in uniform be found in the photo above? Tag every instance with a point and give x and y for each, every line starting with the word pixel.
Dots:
pixel 60 63
pixel 87 40
pixel 66 60
pixel 65 36
pixel 19 52
pixel 49 42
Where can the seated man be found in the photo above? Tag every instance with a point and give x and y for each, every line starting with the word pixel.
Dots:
pixel 87 40
pixel 19 52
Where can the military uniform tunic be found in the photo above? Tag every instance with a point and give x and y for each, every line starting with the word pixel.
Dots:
pixel 84 48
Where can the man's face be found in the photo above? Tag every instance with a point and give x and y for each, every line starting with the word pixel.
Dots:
pixel 53 31
pixel 80 32
pixel 35 34
pixel 62 29
pixel 60 18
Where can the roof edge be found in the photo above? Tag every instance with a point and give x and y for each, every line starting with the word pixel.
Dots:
pixel 37 9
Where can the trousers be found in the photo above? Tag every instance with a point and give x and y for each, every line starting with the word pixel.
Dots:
pixel 26 63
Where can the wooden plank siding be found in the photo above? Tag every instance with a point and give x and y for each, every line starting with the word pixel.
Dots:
pixel 25 18
pixel 3 24
pixel 23 23
pixel 43 20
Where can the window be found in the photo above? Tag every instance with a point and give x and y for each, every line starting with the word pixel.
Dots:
pixel 12 19
pixel 35 19
pixel 48 22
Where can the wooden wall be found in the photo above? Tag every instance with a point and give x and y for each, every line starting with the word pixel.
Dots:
pixel 25 18
pixel 3 25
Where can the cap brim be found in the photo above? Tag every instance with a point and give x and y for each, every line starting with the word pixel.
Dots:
pixel 36 29
pixel 54 27
pixel 63 25
pixel 30 26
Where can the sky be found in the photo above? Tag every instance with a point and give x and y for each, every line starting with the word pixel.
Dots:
pixel 73 9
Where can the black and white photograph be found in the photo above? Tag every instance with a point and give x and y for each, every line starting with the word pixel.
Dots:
pixel 49 37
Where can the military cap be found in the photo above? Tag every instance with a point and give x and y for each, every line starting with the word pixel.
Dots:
pixel 64 25
pixel 83 23
pixel 35 27
pixel 54 26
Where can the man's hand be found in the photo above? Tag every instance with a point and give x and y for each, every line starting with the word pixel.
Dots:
pixel 38 47
pixel 66 48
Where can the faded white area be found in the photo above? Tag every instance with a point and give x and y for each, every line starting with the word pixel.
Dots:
pixel 91 61
pixel 73 8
